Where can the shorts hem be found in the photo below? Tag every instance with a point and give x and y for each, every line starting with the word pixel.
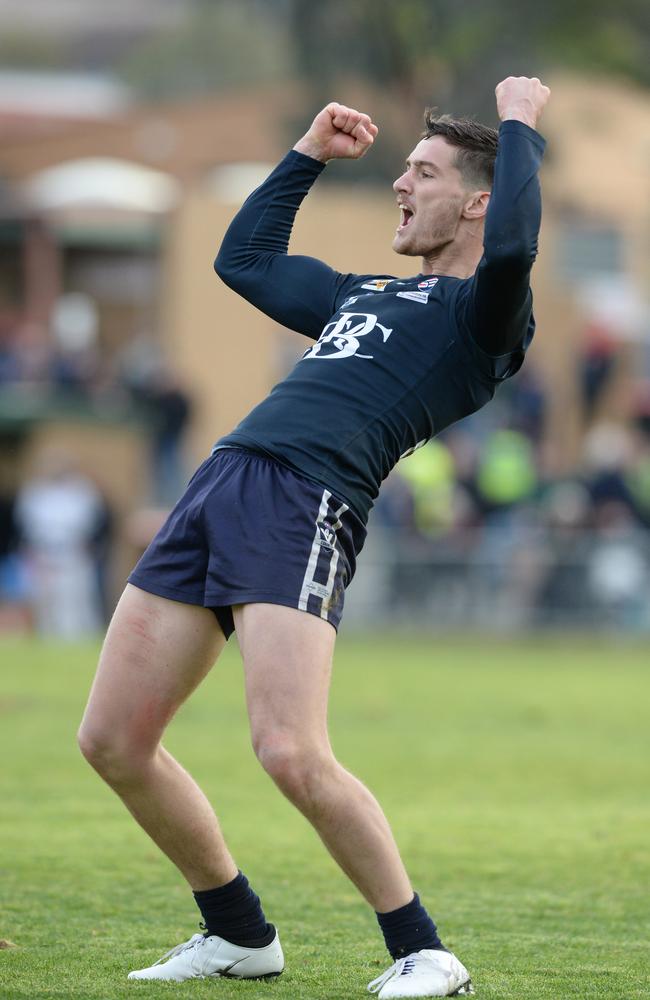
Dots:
pixel 223 600
pixel 228 599
pixel 171 593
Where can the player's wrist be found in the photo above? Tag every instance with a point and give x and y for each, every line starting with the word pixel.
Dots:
pixel 308 147
pixel 519 115
pixel 520 109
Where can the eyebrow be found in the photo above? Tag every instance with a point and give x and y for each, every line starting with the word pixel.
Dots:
pixel 423 163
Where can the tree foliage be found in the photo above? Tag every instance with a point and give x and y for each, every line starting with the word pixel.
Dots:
pixel 440 50
pixel 457 51
pixel 412 53
pixel 220 45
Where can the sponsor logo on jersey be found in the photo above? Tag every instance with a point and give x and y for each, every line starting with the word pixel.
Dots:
pixel 341 337
pixel 414 296
pixel 377 285
pixel 429 283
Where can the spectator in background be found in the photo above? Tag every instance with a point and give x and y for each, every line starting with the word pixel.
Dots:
pixel 13 591
pixel 608 452
pixel 506 483
pixel 59 513
pixel 506 475
pixel 9 361
pixel 597 365
pixel 642 403
pixel 166 407
pixel 562 592
pixel 526 400
pixel 25 354
pixel 431 475
pixel 637 475
pixel 169 409
pixel 618 573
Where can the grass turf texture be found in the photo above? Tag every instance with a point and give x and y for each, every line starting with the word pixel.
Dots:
pixel 515 775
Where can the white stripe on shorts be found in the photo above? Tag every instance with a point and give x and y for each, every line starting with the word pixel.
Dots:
pixel 308 586
pixel 325 606
pixel 333 564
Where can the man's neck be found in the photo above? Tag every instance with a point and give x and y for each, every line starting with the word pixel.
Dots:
pixel 450 260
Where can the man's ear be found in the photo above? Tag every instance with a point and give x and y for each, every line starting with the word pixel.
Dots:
pixel 476 205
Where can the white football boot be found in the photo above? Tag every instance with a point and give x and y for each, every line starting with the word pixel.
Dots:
pixel 203 957
pixel 428 973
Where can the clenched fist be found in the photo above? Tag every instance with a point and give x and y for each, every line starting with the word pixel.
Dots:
pixel 338 132
pixel 521 98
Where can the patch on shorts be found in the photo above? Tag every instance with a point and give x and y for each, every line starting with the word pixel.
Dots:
pixel 320 580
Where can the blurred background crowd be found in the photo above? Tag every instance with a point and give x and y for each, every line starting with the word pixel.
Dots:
pixel 129 137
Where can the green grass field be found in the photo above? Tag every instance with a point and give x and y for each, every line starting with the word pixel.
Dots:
pixel 515 775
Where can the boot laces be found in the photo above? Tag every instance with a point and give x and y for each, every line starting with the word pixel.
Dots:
pixel 402 967
pixel 194 942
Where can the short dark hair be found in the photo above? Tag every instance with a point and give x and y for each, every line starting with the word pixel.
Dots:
pixel 476 143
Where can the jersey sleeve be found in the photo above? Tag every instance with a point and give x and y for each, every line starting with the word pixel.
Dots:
pixel 297 291
pixel 494 307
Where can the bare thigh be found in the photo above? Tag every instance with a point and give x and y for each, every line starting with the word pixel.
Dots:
pixel 287 658
pixel 155 654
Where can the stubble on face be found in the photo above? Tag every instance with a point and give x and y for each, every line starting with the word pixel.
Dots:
pixel 432 228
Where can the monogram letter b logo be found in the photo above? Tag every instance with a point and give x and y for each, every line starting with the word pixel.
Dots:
pixel 340 338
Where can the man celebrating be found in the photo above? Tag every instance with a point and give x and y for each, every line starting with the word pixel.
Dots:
pixel 265 539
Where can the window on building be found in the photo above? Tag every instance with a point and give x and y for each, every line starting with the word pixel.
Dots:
pixel 587 248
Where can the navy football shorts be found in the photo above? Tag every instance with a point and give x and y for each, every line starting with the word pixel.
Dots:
pixel 248 529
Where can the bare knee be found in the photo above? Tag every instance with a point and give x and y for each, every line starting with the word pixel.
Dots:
pixel 297 767
pixel 118 756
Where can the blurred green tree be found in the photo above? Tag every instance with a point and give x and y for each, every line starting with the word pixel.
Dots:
pixel 457 50
pixel 27 50
pixel 412 53
pixel 451 54
pixel 219 46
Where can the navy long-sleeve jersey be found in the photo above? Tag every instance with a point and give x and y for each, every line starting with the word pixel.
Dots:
pixel 395 360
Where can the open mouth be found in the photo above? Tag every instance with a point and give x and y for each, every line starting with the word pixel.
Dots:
pixel 405 217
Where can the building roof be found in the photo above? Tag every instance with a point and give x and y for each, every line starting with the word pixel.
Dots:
pixel 104 183
pixel 61 95
pixel 185 139
pixel 75 18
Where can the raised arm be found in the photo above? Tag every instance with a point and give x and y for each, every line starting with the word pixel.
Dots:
pixel 497 307
pixel 295 290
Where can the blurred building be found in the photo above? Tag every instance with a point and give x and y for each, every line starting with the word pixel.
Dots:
pixel 83 22
pixel 592 277
pixel 110 220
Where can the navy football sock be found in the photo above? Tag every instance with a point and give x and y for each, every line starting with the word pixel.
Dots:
pixel 408 929
pixel 234 912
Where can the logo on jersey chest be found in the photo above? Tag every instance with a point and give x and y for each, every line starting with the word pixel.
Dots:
pixel 342 337
pixel 414 296
pixel 377 285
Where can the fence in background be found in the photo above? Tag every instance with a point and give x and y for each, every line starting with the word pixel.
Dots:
pixel 504 580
